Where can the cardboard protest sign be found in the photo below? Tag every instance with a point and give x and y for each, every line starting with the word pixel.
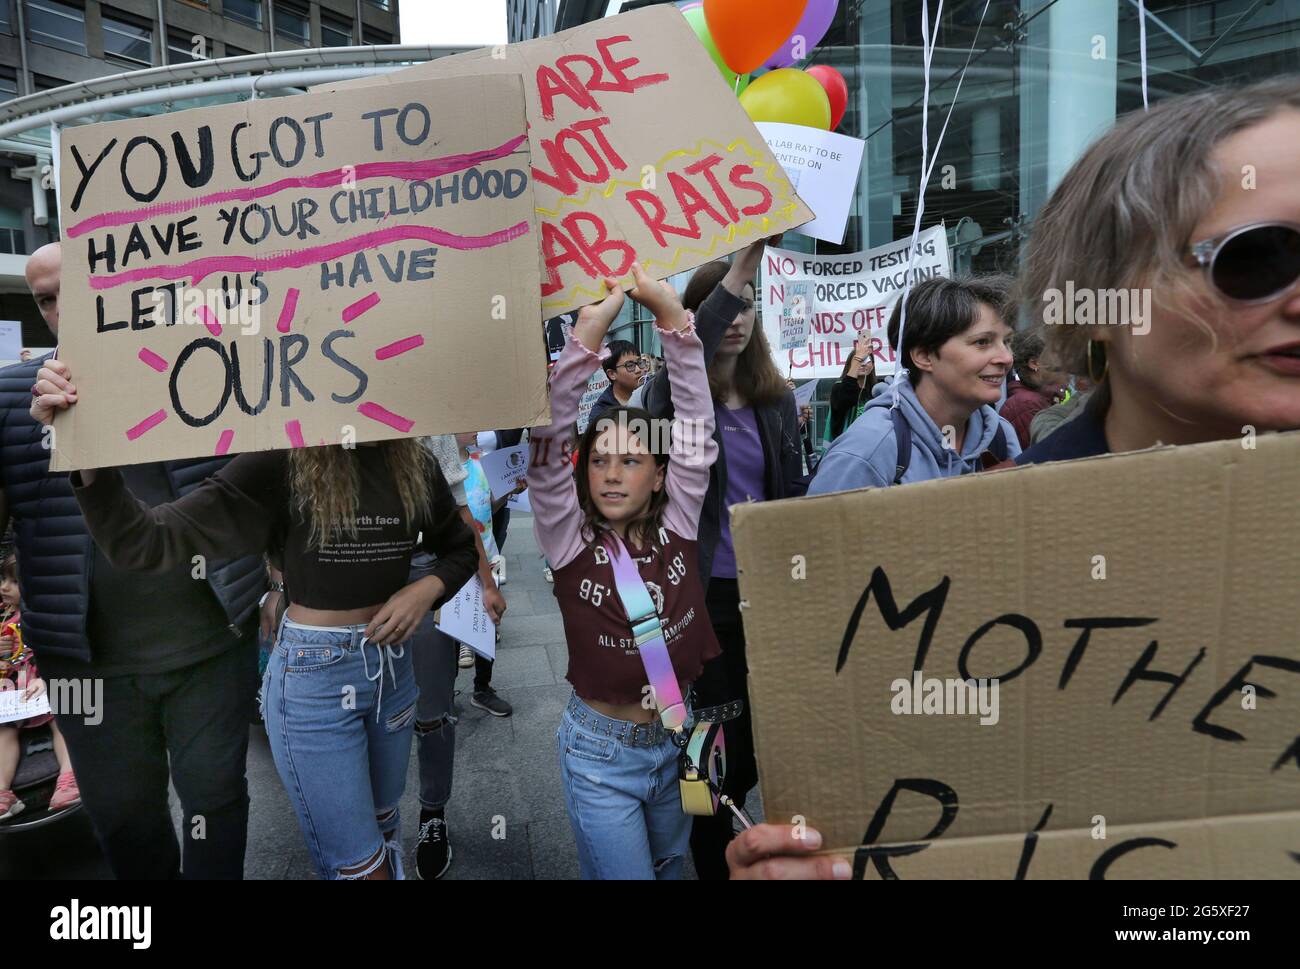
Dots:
pixel 823 168
pixel 640 151
pixel 1145 720
pixel 853 294
pixel 300 270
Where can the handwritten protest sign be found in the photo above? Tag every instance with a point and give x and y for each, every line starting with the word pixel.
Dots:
pixel 597 384
pixel 640 151
pixel 1133 710
pixel 796 315
pixel 465 620
pixel 852 294
pixel 823 168
pixel 296 271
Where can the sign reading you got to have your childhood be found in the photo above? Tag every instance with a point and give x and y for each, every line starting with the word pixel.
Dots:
pixel 320 269
pixel 640 151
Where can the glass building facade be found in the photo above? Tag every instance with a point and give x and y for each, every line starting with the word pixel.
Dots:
pixel 1045 78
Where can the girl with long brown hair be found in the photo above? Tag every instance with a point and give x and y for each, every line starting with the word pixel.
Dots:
pixel 758 460
pixel 635 495
pixel 339 693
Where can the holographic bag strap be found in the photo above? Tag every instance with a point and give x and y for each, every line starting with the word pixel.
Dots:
pixel 648 633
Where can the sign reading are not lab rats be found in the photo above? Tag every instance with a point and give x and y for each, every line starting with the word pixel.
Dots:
pixel 852 294
pixel 297 271
pixel 640 151
pixel 1146 719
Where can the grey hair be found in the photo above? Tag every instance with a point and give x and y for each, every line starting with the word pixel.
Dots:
pixel 1123 215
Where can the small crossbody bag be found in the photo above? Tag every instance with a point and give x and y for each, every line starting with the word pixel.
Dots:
pixel 702 757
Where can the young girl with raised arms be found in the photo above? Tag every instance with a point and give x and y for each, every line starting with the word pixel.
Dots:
pixel 638 488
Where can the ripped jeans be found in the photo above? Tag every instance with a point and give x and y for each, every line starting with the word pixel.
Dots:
pixel 433 655
pixel 621 790
pixel 340 716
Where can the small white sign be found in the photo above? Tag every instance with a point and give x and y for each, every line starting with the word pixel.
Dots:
pixel 14 707
pixel 11 340
pixel 803 395
pixel 520 502
pixel 504 467
pixel 823 167
pixel 796 315
pixel 464 619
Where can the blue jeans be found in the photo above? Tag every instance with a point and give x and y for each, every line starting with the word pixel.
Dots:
pixel 621 792
pixel 339 714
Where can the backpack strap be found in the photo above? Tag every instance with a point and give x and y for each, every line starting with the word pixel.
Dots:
pixel 999 443
pixel 903 441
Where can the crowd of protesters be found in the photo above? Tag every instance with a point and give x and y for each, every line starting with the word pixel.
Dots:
pixel 982 384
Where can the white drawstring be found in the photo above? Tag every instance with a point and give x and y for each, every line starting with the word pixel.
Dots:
pixel 392 652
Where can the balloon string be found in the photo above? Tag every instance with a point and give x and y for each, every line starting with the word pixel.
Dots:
pixel 1142 44
pixel 926 170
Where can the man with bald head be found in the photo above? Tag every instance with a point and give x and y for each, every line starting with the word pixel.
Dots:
pixel 168 661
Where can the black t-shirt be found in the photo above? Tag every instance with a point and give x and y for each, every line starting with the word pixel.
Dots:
pixel 248 507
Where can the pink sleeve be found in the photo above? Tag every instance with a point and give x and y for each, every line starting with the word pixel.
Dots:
pixel 557 519
pixel 693 448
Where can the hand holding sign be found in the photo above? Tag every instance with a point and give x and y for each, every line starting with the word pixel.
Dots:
pixel 52 391
pixel 594 318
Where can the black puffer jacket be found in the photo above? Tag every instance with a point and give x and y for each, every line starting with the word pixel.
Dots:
pixel 55 552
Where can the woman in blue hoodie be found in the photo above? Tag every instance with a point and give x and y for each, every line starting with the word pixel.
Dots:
pixel 956 348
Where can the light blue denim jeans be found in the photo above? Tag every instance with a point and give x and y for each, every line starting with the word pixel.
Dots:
pixel 339 714
pixel 621 791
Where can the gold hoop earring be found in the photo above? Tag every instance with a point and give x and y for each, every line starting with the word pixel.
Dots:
pixel 1105 364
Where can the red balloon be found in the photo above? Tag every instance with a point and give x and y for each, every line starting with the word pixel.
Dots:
pixel 837 90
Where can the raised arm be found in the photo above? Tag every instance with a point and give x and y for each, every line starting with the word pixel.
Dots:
pixel 693 448
pixel 232 513
pixel 557 519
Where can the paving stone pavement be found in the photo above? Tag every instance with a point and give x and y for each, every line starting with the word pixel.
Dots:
pixel 507 777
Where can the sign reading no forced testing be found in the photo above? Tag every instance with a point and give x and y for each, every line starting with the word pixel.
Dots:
pixel 308 270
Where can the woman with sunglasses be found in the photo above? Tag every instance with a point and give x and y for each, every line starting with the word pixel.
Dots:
pixel 1196 202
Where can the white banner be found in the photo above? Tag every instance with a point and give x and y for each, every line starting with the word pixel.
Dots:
pixel 852 294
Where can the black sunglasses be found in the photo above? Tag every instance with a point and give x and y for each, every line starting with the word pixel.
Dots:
pixel 1252 263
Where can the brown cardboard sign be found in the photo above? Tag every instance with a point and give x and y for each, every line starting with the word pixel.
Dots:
pixel 1077 670
pixel 640 151
pixel 324 269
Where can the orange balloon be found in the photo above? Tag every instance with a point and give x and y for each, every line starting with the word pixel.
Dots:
pixel 748 32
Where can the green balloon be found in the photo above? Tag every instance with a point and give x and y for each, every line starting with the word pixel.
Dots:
pixel 695 17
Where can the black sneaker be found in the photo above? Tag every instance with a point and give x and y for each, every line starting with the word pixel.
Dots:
pixel 432 848
pixel 488 700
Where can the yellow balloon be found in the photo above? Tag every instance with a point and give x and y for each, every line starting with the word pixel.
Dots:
pixel 789 96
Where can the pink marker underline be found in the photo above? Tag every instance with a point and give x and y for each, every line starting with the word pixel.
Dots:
pixel 409 171
pixel 199 269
